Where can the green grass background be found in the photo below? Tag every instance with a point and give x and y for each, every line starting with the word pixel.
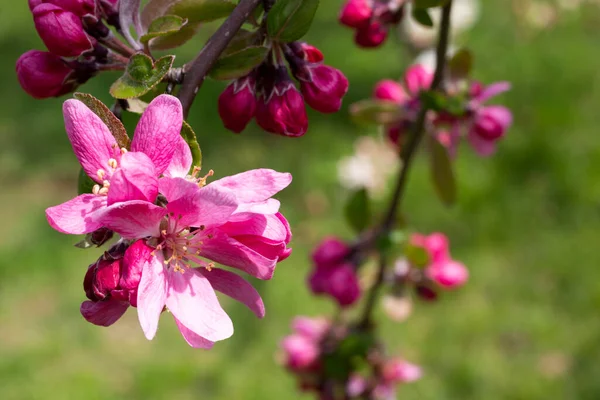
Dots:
pixel 526 326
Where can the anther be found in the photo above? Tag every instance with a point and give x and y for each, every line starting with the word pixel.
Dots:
pixel 123 150
pixel 112 163
pixel 101 174
pixel 96 189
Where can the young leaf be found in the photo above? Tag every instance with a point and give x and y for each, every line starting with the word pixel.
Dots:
pixel 164 26
pixel 238 64
pixel 369 112
pixel 416 255
pixel 141 75
pixel 421 15
pixel 175 39
pixel 189 136
pixel 193 10
pixel 289 20
pixel 442 175
pixel 358 210
pixel 429 3
pixel 113 123
pixel 242 40
pixel 460 64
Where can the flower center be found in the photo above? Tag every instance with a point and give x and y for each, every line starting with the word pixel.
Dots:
pixel 181 245
pixel 105 176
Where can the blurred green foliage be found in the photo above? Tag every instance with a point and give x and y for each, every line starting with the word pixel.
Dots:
pixel 526 224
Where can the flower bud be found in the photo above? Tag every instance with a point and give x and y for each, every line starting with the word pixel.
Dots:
pixel 492 122
pixel 390 90
pixel 371 35
pixel 237 104
pixel 281 108
pixel 339 281
pixel 435 244
pixel 301 353
pixel 43 74
pixel 313 328
pixel 326 88
pixel 61 31
pixel 417 78
pixel 448 274
pixel 77 7
pixel 306 52
pixel 400 371
pixel 331 251
pixel 356 13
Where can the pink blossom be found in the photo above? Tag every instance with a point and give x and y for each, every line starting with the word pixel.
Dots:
pixel 417 78
pixel 237 104
pixel 302 349
pixel 307 52
pixel 389 90
pixel 448 273
pixel 283 111
pixel 77 7
pixel 371 35
pixel 400 371
pixel 43 74
pixel 325 88
pixel 435 244
pixel 331 251
pixel 356 13
pixel 61 31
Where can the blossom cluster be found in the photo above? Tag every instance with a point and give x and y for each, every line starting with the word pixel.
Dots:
pixel 269 95
pixel 371 19
pixel 482 125
pixel 317 345
pixel 73 32
pixel 173 226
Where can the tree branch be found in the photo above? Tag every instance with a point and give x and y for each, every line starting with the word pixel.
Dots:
pixel 196 71
pixel 406 157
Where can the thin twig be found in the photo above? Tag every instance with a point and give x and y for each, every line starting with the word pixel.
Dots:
pixel 406 157
pixel 196 70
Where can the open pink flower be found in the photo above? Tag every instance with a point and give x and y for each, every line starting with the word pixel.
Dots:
pixel 123 177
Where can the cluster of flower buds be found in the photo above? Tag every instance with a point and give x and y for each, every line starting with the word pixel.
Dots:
pixel 431 269
pixel 334 275
pixel 339 363
pixel 173 226
pixel 483 125
pixel 371 19
pixel 270 95
pixel 72 31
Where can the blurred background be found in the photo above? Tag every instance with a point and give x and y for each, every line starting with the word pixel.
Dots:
pixel 527 223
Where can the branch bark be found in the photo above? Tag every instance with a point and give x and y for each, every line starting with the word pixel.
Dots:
pixel 197 69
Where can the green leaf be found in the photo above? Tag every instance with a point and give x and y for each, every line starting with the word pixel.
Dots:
pixel 238 64
pixel 369 112
pixel 442 174
pixel 289 20
pixel 141 75
pixel 421 15
pixel 460 64
pixel 429 3
pixel 112 122
pixel 358 210
pixel 242 40
pixel 416 255
pixel 85 184
pixel 175 39
pixel 164 26
pixel 202 10
pixel 189 136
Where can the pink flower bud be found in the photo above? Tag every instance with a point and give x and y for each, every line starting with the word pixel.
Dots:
pixel 436 245
pixel 301 353
pixel 417 78
pixel 237 104
pixel 390 90
pixel 340 282
pixel 77 7
pixel 61 31
pixel 331 251
pixel 307 52
pixel 372 35
pixel 282 111
pixel 492 122
pixel 326 88
pixel 43 74
pixel 449 274
pixel 400 371
pixel 356 13
pixel 312 328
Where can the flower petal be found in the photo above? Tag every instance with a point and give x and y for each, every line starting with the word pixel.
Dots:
pixel 196 341
pixel 103 313
pixel 180 164
pixel 174 188
pixel 208 206
pixel 235 287
pixel 493 90
pixel 92 142
pixel 158 132
pixel 152 294
pixel 255 185
pixel 76 216
pixel 135 179
pixel 194 303
pixel 269 206
pixel 267 226
pixel 482 146
pixel 133 219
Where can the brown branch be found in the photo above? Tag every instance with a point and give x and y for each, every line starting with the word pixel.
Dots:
pixel 406 157
pixel 196 70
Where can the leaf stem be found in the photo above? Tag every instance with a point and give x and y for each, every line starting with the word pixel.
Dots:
pixel 197 69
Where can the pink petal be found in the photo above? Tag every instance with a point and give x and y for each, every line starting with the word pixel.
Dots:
pixel 235 287
pixel 493 90
pixel 136 256
pixel 210 205
pixel 135 179
pixel 228 251
pixel 103 313
pixel 483 147
pixel 268 226
pixel 194 303
pixel 92 142
pixel 417 78
pixel 152 294
pixel 180 164
pixel 158 132
pixel 133 219
pixel 266 248
pixel 176 188
pixel 255 185
pixel 76 216
pixel 269 206
pixel 196 341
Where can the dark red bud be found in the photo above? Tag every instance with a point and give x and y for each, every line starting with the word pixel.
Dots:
pixel 237 104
